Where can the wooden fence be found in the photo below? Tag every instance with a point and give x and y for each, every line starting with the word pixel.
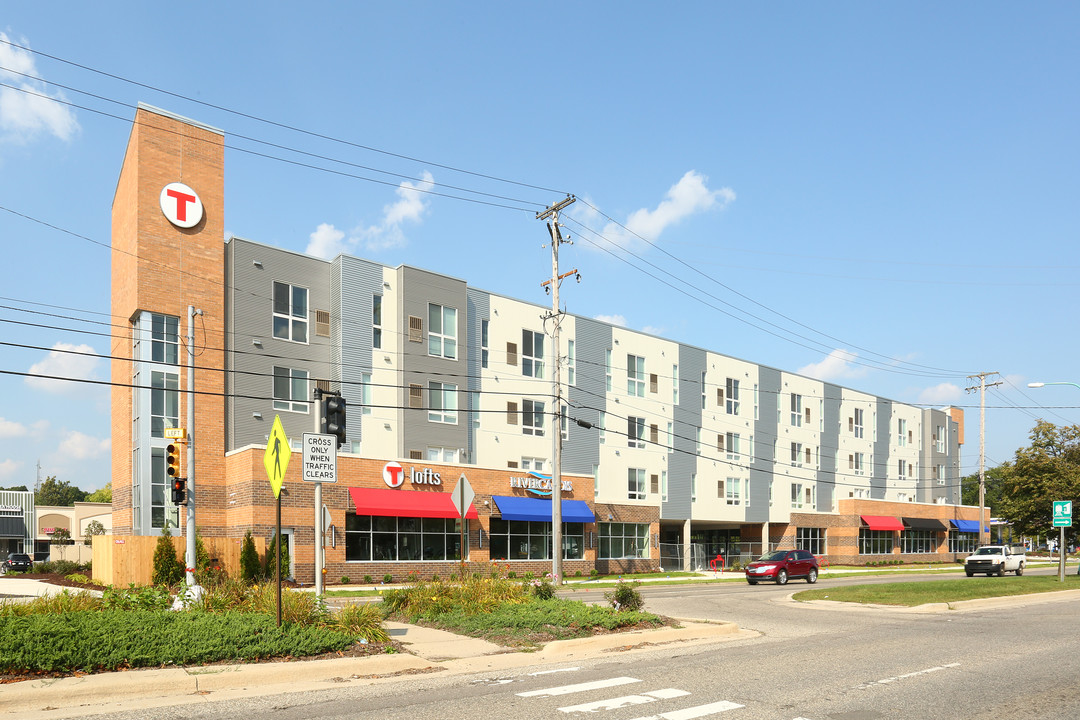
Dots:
pixel 121 560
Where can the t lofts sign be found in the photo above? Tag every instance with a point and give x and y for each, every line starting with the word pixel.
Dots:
pixel 181 205
pixel 394 475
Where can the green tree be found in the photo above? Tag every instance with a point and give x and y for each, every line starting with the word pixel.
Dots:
pixel 1047 470
pixel 250 569
pixel 271 559
pixel 60 537
pixel 94 527
pixel 995 481
pixel 104 495
pixel 58 493
pixel 168 570
pixel 15 488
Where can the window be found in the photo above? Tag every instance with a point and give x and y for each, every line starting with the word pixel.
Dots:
pixel 159 505
pixel 483 343
pixel 796 410
pixel 693 487
pixel 164 339
pixel 856 423
pixel 376 321
pixel 732 404
pixel 564 428
pixel 531 540
pixel 702 391
pixel 796 496
pixel 571 366
pixel 532 417
pixel 164 402
pixel 601 426
pixel 442 403
pixel 963 542
pixel 533 464
pixel 442 455
pixel 663 485
pixel 635 483
pixel 635 375
pixel 901 432
pixel 365 393
pixel 674 384
pixel 697 442
pixel 290 389
pixel 796 454
pixel 442 331
pixel 607 370
pixel 918 541
pixel 812 539
pixel 532 354
pixel 939 438
pixel 875 542
pixel 733 446
pixel 670 436
pixel 902 469
pixel 856 462
pixel 623 540
pixel 732 495
pixel 939 473
pixel 290 312
pixel 635 432
pixel 396 539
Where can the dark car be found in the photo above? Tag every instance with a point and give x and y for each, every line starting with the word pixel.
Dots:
pixel 780 565
pixel 16 562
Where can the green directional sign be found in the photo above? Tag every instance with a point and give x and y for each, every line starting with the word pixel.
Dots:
pixel 1063 513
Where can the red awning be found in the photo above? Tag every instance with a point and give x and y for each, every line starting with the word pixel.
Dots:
pixel 406 503
pixel 882 522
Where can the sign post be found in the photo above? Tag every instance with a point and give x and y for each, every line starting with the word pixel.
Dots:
pixel 462 497
pixel 320 465
pixel 276 462
pixel 1062 519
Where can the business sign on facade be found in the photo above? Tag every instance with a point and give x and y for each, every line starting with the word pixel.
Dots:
pixel 320 458
pixel 181 205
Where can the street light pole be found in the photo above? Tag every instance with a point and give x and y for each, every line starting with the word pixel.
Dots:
pixel 1061 537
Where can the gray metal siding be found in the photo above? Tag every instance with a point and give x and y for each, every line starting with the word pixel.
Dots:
pixel 478 309
pixel 359 282
pixel 682 463
pixel 879 469
pixel 765 434
pixel 588 396
pixel 419 288
pixel 252 297
pixel 831 485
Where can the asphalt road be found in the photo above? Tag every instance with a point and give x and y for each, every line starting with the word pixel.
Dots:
pixel 847 663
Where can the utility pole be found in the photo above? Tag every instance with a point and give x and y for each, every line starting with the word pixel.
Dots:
pixel 555 316
pixel 982 442
pixel 189 553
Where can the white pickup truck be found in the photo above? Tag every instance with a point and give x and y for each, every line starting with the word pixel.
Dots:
pixel 996 560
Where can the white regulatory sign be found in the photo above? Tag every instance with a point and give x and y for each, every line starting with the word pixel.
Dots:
pixel 320 458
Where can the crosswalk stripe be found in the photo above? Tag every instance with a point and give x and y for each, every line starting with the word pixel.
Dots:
pixel 579 687
pixel 695 712
pixel 625 701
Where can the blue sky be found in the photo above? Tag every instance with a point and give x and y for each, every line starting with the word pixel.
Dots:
pixel 881 195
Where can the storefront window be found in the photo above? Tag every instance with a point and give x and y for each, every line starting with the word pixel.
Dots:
pixel 812 539
pixel 963 542
pixel 918 541
pixel 399 539
pixel 531 540
pixel 623 540
pixel 875 542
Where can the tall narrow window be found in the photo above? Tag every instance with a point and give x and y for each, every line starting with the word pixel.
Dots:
pixel 857 425
pixel 601 428
pixel 901 432
pixel 376 321
pixel 365 393
pixel 607 370
pixel 702 391
pixel 635 483
pixel 532 417
pixel 674 384
pixel 571 365
pixel 733 451
pixel 532 354
pixel 635 375
pixel 165 339
pixel 290 312
pixel 483 343
pixel 732 388
pixel 732 495
pixel 164 402
pixel 796 410
pixel 442 403
pixel 442 331
pixel 635 432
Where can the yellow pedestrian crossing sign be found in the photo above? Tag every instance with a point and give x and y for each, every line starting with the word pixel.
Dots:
pixel 276 457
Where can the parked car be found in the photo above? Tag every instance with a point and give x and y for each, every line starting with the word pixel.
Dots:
pixel 780 565
pixel 16 562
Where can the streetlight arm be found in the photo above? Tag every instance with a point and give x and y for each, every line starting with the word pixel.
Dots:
pixel 1043 384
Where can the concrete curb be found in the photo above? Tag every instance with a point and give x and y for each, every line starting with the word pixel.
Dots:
pixel 929 608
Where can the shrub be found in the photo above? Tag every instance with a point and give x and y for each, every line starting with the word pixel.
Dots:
pixel 59 567
pixel 270 566
pixel 361 620
pixel 168 570
pixel 135 597
pixel 625 596
pixel 61 602
pixel 472 595
pixel 388 578
pixel 577 574
pixel 367 579
pixel 345 580
pixel 249 561
pixel 542 588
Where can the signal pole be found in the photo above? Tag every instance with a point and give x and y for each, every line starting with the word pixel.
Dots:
pixel 555 316
pixel 981 389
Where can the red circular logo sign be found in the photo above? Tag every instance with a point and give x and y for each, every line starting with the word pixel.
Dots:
pixel 393 474
pixel 181 205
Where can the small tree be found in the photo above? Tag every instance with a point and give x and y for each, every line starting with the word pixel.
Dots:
pixel 168 570
pixel 271 559
pixel 94 527
pixel 60 537
pixel 249 560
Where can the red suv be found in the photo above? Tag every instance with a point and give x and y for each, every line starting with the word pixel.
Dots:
pixel 780 565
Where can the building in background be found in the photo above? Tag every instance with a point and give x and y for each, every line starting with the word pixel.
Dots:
pixel 16 522
pixel 688 453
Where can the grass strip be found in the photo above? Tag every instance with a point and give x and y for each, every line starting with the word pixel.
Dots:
pixel 911 594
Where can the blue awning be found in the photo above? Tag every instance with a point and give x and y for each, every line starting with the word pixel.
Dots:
pixel 968 526
pixel 524 508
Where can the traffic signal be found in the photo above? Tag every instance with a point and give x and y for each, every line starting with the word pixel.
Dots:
pixel 179 491
pixel 333 417
pixel 172 460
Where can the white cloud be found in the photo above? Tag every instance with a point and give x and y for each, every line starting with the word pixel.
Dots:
pixel 837 365
pixel 11 429
pixel 941 394
pixel 64 364
pixel 327 241
pixel 8 468
pixel 84 447
pixel 612 319
pixel 688 196
pixel 28 108
pixel 650 330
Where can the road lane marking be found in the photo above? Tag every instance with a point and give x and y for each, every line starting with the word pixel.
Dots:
pixel 886 681
pixel 699 711
pixel 579 687
pixel 625 701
